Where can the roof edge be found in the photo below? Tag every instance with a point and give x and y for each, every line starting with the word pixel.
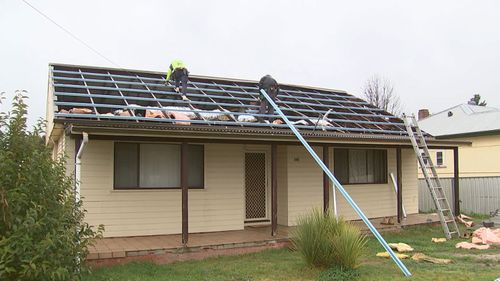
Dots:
pixel 469 134
pixel 228 79
pixel 238 133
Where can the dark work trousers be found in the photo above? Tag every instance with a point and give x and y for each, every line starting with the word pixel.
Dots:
pixel 265 107
pixel 181 75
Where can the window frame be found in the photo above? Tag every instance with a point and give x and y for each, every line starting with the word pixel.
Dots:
pixel 442 159
pixel 139 167
pixel 385 178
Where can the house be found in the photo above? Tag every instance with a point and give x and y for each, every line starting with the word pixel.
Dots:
pixel 150 163
pixel 479 125
pixel 479 169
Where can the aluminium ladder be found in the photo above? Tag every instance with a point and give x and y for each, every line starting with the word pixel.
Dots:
pixel 431 177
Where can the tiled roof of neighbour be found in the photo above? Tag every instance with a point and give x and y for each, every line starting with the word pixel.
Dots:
pixel 107 94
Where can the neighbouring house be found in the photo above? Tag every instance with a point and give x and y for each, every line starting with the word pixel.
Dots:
pixel 150 163
pixel 479 168
pixel 479 125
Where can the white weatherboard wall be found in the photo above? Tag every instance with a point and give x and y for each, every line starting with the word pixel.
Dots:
pixel 221 205
pixel 305 183
pixel 218 207
pixel 379 200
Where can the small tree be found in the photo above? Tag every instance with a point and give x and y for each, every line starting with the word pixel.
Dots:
pixel 476 99
pixel 42 232
pixel 380 93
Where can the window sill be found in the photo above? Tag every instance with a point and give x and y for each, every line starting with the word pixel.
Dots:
pixel 125 190
pixel 367 183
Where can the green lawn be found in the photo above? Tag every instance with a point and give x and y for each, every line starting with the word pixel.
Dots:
pixel 283 264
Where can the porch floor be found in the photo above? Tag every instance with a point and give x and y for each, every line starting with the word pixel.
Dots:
pixel 251 236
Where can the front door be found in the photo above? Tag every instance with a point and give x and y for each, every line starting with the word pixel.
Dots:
pixel 255 187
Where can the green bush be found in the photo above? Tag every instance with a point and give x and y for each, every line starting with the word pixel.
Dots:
pixel 326 241
pixel 42 233
pixel 338 274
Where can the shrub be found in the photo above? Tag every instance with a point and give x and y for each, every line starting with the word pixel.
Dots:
pixel 348 246
pixel 338 274
pixel 326 241
pixel 42 233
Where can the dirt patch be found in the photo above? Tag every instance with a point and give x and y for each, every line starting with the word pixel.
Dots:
pixel 480 257
pixel 167 257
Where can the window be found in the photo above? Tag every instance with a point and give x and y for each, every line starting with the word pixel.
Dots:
pixel 357 166
pixel 146 165
pixel 439 158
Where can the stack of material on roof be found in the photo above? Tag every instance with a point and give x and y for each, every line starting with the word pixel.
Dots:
pixel 122 112
pixel 180 111
pixel 77 110
pixel 216 115
pixel 247 118
pixel 154 114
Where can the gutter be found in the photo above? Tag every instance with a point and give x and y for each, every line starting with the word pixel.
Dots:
pixel 78 165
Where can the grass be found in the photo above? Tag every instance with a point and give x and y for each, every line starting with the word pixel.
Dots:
pixel 283 264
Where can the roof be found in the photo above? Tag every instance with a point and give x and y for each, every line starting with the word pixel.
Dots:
pixel 462 119
pixel 109 94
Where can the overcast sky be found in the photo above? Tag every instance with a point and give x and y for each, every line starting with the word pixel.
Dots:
pixel 436 53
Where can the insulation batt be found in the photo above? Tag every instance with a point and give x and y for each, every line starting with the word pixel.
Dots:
pixel 487 235
pixel 190 115
pixel 247 118
pixel 320 122
pixel 216 115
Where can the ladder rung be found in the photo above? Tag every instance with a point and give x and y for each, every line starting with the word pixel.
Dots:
pixel 441 198
pixel 445 210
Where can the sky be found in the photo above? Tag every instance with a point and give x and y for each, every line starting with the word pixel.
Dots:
pixel 436 54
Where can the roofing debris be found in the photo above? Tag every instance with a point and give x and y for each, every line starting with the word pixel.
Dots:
pixel 105 94
pixel 482 238
pixel 439 240
pixel 466 220
pixel 401 247
pixel 423 257
pixel 386 255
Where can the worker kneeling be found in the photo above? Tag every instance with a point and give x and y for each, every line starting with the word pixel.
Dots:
pixel 268 84
pixel 179 73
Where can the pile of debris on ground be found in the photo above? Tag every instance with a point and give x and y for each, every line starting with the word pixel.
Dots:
pixel 481 239
pixel 401 250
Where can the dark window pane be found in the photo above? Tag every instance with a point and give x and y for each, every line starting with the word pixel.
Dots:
pixel 358 172
pixel 195 163
pixel 380 166
pixel 126 162
pixel 340 165
pixel 357 166
pixel 439 158
pixel 160 165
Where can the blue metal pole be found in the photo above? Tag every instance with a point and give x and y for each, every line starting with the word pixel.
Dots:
pixel 339 187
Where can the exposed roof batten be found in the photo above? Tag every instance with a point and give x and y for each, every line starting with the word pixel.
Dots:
pixel 104 90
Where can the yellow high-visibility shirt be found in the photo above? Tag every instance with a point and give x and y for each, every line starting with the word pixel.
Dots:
pixel 175 64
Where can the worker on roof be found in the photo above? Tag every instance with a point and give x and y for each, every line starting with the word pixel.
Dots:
pixel 268 84
pixel 179 73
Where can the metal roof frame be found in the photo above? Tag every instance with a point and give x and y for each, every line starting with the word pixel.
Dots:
pixel 104 90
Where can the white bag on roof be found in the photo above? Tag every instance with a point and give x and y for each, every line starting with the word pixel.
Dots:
pixel 181 109
pixel 247 118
